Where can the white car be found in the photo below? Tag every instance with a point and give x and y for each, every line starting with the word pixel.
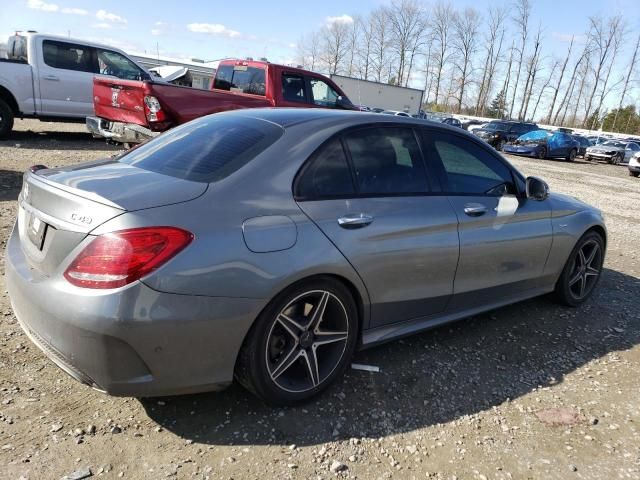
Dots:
pixel 395 112
pixel 634 165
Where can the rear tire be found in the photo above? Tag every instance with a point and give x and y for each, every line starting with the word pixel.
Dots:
pixel 277 359
pixel 633 174
pixel 582 271
pixel 542 153
pixel 6 119
pixel 572 155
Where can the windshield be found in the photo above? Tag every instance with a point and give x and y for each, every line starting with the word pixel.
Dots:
pixel 534 136
pixel 496 126
pixel 207 149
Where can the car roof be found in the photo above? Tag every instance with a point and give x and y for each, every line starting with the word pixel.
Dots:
pixel 287 117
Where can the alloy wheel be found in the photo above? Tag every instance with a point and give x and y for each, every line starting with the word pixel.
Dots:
pixel 586 269
pixel 307 341
pixel 542 153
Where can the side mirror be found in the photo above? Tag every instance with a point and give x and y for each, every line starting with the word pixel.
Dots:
pixel 537 189
pixel 343 102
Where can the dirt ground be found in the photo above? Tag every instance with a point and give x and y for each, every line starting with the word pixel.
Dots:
pixel 532 390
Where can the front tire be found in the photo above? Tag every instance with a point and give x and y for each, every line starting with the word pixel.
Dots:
pixel 301 342
pixel 582 271
pixel 500 145
pixel 633 174
pixel 6 119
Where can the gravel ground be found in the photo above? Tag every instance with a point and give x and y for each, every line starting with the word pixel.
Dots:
pixel 532 390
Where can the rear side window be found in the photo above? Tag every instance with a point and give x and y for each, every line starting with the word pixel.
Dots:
pixel 293 88
pixel 470 169
pixel 326 175
pixel 240 79
pixel 386 161
pixel 205 150
pixel 68 56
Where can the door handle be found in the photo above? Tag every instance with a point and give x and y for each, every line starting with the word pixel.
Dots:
pixel 357 220
pixel 475 209
pixel 53 78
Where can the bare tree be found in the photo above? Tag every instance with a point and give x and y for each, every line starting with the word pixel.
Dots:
pixel 364 47
pixel 335 45
pixel 564 104
pixel 507 79
pixel 625 88
pixel 494 38
pixel 309 51
pixel 465 31
pixel 523 12
pixel 556 88
pixel 406 28
pixel 380 43
pixel 532 68
pixel 441 30
pixel 554 65
pixel 353 35
pixel 604 37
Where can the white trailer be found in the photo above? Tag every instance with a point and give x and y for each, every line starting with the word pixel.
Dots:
pixel 380 95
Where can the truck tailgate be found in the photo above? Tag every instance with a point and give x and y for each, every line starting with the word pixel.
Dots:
pixel 119 100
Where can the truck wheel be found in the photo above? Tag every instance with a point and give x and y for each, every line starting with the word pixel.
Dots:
pixel 6 119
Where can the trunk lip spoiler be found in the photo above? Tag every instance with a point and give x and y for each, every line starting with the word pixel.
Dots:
pixel 35 178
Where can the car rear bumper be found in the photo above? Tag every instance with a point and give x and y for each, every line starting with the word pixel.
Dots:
pixel 132 341
pixel 117 131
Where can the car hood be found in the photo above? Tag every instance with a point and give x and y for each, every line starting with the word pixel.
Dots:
pixel 123 186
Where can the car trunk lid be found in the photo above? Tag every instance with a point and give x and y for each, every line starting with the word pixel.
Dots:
pixel 58 208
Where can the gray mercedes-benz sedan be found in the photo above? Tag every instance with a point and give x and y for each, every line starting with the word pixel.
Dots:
pixel 268 245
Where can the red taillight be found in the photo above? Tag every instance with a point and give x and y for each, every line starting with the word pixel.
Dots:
pixel 116 259
pixel 153 109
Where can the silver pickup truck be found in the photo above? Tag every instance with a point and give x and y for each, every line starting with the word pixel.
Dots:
pixel 51 78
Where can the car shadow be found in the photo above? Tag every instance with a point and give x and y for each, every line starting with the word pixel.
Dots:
pixel 434 377
pixel 57 140
pixel 10 184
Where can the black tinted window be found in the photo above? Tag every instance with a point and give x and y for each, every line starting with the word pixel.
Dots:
pixel 470 168
pixel 68 56
pixel 326 175
pixel 386 161
pixel 240 78
pixel 206 149
pixel 293 88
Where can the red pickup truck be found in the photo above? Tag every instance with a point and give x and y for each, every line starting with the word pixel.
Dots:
pixel 131 111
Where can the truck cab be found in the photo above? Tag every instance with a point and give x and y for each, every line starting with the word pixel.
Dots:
pixel 51 78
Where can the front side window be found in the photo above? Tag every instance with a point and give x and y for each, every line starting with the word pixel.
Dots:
pixel 323 94
pixel 293 89
pixel 240 79
pixel 386 161
pixel 117 65
pixel 68 56
pixel 470 169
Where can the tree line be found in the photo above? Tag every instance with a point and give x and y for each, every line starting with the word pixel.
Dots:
pixel 494 63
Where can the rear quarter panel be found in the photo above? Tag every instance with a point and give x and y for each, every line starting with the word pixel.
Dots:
pixel 17 78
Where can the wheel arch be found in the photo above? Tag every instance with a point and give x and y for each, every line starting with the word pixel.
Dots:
pixel 10 100
pixel 348 284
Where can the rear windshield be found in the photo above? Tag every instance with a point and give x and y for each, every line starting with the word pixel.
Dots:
pixel 207 149
pixel 240 79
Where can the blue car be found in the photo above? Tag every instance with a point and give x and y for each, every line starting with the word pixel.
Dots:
pixel 544 144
